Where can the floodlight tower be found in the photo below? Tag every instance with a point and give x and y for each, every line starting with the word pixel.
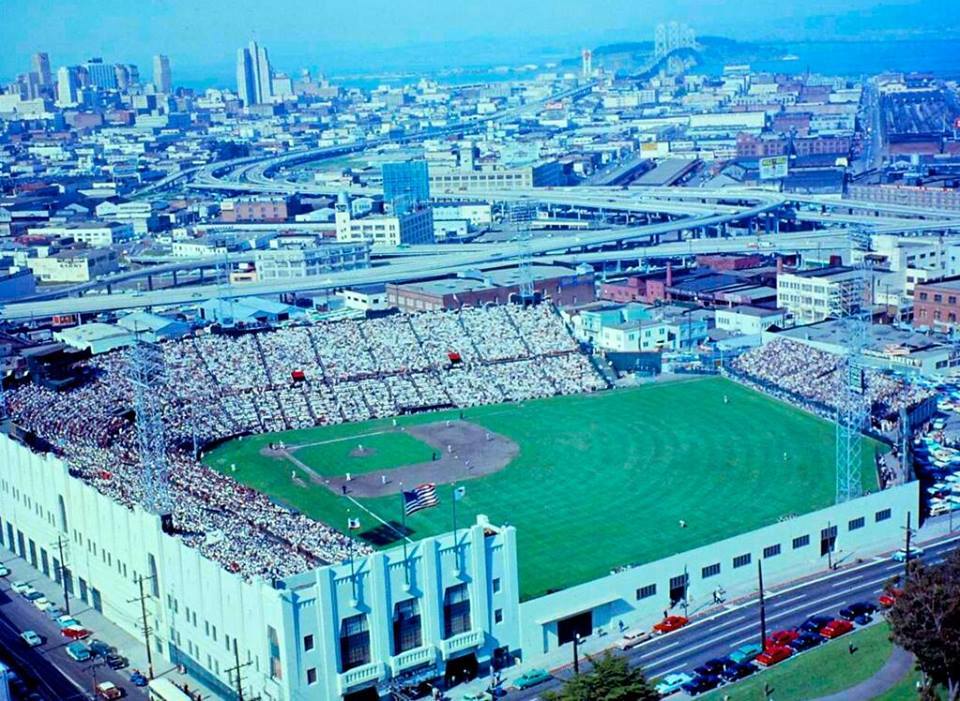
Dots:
pixel 521 213
pixel 853 409
pixel 148 375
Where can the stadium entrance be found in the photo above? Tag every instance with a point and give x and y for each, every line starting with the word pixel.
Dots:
pixel 569 628
pixel 461 669
pixel 368 694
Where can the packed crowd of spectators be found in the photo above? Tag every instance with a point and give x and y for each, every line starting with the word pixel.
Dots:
pixel 803 374
pixel 218 386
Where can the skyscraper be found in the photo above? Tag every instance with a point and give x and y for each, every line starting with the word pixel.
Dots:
pixel 162 80
pixel 406 183
pixel 101 75
pixel 262 75
pixel 67 85
pixel 41 66
pixel 254 76
pixel 246 89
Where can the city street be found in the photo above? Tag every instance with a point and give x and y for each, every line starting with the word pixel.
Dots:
pixel 739 624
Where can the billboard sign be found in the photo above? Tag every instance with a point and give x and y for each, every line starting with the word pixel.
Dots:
pixel 774 167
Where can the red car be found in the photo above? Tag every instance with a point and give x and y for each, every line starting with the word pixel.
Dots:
pixel 670 624
pixel 889 597
pixel 74 632
pixel 836 628
pixel 781 638
pixel 773 655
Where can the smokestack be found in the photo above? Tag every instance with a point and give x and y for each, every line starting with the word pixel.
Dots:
pixel 779 266
pixel 669 274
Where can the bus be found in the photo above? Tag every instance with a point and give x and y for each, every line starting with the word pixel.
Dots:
pixel 165 690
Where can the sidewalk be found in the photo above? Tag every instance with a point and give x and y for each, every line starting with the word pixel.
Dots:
pixel 103 629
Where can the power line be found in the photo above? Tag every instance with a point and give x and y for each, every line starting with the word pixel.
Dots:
pixel 144 623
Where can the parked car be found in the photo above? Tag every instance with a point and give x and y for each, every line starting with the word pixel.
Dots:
pixel 67 620
pixel 42 603
pixel 670 624
pixel 701 684
pixel 738 671
pixel 805 641
pixel 54 612
pixel 115 661
pixel 714 667
pixel 31 638
pixel 814 624
pixel 78 651
pixel 632 638
pixel 889 597
pixel 858 608
pixel 477 696
pixel 108 691
pixel 34 595
pixel 100 648
pixel 75 632
pixel 531 678
pixel 20 587
pixel 672 683
pixel 902 555
pixel 773 655
pixel 836 628
pixel 4 572
pixel 745 653
pixel 137 679
pixel 782 638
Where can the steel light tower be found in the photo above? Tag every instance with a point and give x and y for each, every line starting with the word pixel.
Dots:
pixel 521 213
pixel 148 377
pixel 853 409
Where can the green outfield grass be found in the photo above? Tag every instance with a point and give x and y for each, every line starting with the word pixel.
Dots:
pixel 601 479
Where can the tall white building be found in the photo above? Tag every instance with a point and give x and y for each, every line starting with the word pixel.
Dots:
pixel 162 79
pixel 246 89
pixel 67 85
pixel 262 75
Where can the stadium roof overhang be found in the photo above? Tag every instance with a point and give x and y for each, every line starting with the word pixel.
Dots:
pixel 576 608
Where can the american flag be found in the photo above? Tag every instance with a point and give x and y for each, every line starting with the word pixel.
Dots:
pixel 422 497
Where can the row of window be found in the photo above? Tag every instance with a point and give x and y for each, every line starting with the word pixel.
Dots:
pixel 827 536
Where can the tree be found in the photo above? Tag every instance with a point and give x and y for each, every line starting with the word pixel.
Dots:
pixel 926 621
pixel 610 679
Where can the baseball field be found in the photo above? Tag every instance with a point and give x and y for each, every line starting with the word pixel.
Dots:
pixel 591 481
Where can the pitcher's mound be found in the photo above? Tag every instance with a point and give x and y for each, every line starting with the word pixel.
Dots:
pixel 362 452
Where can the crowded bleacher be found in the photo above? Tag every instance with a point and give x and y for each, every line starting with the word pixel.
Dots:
pixel 217 386
pixel 814 379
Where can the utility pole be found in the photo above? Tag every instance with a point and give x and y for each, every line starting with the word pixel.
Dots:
pixel 763 608
pixel 576 653
pixel 237 666
pixel 63 576
pixel 143 621
pixel 908 532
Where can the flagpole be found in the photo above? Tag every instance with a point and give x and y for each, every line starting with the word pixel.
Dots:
pixel 353 571
pixel 403 536
pixel 456 540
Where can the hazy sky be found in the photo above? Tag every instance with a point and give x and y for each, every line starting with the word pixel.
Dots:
pixel 201 36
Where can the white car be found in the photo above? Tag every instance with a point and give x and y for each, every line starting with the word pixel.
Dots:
pixel 633 637
pixel 31 638
pixel 43 603
pixel 4 572
pixel 671 683
pixel 902 556
pixel 20 587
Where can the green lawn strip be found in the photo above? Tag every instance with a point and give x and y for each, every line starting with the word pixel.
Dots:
pixel 617 468
pixel 906 689
pixel 825 670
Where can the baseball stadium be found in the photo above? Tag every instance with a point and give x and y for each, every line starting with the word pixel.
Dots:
pixel 275 465
pixel 647 472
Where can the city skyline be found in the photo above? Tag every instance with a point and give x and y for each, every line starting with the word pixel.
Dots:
pixel 378 38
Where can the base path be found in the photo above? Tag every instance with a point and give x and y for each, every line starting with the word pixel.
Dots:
pixel 464 451
pixel 894 670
